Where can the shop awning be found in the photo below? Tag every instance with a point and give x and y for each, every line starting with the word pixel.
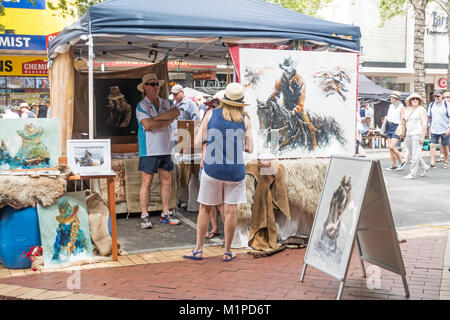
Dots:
pixel 194 29
pixel 367 89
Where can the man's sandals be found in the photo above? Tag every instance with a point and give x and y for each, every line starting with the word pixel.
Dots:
pixel 212 235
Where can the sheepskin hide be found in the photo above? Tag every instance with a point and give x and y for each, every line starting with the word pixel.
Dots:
pixel 304 181
pixel 26 191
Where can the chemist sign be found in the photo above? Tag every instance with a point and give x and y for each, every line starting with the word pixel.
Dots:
pixel 23 66
pixel 22 42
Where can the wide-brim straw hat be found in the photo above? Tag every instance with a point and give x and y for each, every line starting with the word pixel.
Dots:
pixel 414 95
pixel 234 95
pixel 149 77
pixel 446 94
pixel 396 94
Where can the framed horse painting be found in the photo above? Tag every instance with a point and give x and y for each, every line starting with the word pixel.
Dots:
pixel 303 103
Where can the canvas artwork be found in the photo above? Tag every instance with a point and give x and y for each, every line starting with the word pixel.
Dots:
pixel 87 157
pixel 337 215
pixel 303 104
pixel 28 143
pixel 64 229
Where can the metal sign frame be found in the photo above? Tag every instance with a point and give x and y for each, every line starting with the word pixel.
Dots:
pixel 374 186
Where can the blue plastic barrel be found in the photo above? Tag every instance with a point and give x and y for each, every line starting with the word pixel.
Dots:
pixel 19 231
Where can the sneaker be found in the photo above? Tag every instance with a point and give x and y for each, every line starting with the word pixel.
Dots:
pixel 391 168
pixel 145 222
pixel 402 165
pixel 425 171
pixel 169 218
pixel 432 166
pixel 409 177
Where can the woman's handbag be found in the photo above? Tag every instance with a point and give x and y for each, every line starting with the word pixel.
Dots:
pixel 383 128
pixel 401 129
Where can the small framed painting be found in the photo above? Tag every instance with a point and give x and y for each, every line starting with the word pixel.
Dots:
pixel 89 157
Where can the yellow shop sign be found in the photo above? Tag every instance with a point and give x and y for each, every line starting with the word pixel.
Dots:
pixel 23 66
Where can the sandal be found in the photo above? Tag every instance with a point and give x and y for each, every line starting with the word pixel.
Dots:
pixel 212 235
pixel 194 255
pixel 230 255
pixel 445 165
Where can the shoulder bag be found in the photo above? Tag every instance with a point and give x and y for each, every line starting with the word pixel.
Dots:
pixel 401 129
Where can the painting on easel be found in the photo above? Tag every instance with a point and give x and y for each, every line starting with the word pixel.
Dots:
pixel 28 143
pixel 337 216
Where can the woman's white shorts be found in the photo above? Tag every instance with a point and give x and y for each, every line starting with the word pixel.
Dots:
pixel 213 192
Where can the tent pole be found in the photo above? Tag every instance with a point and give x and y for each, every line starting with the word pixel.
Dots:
pixel 91 86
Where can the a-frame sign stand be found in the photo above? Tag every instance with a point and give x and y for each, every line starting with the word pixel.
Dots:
pixel 375 238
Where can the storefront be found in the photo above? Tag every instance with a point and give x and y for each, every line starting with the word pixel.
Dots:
pixel 28 25
pixel 23 79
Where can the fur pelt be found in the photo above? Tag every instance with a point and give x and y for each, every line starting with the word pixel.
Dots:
pixel 26 191
pixel 304 181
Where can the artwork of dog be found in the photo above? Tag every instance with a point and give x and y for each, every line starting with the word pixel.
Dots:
pixel 339 202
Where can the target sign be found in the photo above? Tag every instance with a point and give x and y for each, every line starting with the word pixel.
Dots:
pixel 442 83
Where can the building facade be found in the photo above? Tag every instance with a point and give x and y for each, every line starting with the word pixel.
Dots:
pixel 387 52
pixel 23 50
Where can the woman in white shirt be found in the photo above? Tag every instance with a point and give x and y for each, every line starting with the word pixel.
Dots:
pixel 394 116
pixel 416 130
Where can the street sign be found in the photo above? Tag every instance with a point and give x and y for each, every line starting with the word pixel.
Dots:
pixel 353 209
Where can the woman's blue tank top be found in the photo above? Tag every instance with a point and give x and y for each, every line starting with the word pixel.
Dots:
pixel 224 158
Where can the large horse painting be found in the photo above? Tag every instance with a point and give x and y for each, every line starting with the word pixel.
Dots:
pixel 303 104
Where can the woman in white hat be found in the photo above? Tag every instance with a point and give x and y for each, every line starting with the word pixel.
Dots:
pixel 227 130
pixel 396 113
pixel 416 130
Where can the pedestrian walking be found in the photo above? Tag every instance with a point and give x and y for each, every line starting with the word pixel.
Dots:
pixel 396 113
pixel 416 130
pixel 155 116
pixel 439 118
pixel 228 134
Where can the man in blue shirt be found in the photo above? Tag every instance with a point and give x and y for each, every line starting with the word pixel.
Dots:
pixel 439 117
pixel 188 108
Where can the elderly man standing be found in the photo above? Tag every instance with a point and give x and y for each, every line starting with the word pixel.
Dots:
pixel 155 116
pixel 439 117
pixel 188 108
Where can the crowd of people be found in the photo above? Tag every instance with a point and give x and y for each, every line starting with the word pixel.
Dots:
pixel 422 122
pixel 27 111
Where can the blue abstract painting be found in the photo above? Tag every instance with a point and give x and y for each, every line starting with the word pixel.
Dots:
pixel 64 229
pixel 28 143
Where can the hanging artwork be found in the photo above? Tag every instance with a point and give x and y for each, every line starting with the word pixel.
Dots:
pixel 303 104
pixel 118 112
pixel 28 143
pixel 64 228
pixel 89 157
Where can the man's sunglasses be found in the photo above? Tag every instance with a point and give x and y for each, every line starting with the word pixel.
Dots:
pixel 152 84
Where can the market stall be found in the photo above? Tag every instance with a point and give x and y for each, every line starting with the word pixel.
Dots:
pixel 203 32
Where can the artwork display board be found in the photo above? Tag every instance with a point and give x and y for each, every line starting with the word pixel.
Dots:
pixel 28 143
pixel 353 208
pixel 89 157
pixel 302 103
pixel 64 229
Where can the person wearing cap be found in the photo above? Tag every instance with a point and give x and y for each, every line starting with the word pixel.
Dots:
pixel 416 130
pixel 188 108
pixel 396 113
pixel 155 116
pixel 227 130
pixel 439 118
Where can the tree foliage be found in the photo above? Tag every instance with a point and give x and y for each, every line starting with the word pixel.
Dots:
pixel 309 7
pixel 73 8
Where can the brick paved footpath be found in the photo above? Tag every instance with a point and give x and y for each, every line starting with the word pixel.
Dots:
pixel 426 256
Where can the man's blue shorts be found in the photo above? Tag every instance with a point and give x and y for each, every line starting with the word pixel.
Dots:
pixel 390 130
pixel 151 164
pixel 443 137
